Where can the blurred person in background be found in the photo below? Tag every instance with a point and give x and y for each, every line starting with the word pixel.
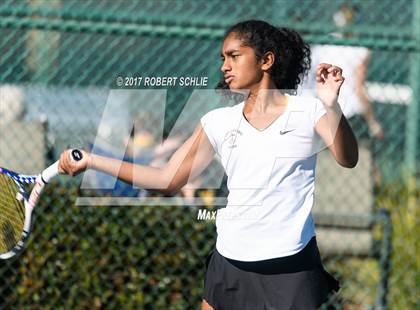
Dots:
pixel 12 104
pixel 354 60
pixel 353 99
pixel 142 148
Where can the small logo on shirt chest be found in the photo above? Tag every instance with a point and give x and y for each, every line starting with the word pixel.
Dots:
pixel 283 132
pixel 232 138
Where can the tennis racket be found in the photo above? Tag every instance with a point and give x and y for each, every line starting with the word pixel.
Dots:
pixel 17 203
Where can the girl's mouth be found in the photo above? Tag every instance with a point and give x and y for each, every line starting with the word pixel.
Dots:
pixel 228 79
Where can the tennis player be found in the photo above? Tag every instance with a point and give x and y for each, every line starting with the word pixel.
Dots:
pixel 266 255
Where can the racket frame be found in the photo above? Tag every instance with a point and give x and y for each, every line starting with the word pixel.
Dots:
pixel 30 200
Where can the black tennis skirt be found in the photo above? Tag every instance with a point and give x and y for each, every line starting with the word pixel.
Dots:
pixel 293 282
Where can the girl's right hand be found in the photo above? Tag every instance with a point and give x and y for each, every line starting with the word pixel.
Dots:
pixel 67 165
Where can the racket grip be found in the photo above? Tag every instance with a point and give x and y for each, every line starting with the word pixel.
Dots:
pixel 50 172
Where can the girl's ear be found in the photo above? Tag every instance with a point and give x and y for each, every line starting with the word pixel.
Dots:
pixel 267 61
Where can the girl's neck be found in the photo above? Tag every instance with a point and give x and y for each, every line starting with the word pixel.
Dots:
pixel 262 99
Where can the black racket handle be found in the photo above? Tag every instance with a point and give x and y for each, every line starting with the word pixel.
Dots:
pixel 76 155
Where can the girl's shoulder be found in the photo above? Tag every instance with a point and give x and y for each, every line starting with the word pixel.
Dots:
pixel 311 106
pixel 226 111
pixel 303 101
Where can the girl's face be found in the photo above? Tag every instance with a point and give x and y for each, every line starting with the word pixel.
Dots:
pixel 240 67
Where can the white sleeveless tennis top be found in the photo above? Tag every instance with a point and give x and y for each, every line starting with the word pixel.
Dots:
pixel 271 176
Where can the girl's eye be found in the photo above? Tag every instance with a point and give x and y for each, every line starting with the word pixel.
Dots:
pixel 235 56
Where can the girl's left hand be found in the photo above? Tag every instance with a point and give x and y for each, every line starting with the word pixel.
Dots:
pixel 329 79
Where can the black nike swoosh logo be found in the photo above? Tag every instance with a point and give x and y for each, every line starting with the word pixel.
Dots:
pixel 283 132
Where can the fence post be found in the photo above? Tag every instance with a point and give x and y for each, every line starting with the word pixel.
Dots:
pixel 412 127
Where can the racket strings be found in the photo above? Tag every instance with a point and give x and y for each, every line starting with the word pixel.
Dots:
pixel 12 214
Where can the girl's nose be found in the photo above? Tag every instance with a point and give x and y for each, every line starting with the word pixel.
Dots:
pixel 225 66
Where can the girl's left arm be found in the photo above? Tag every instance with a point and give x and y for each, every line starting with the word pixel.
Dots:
pixel 333 126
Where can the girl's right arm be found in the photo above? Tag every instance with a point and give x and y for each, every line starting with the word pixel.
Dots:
pixel 186 163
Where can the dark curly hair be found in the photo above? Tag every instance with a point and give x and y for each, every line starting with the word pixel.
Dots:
pixel 292 54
